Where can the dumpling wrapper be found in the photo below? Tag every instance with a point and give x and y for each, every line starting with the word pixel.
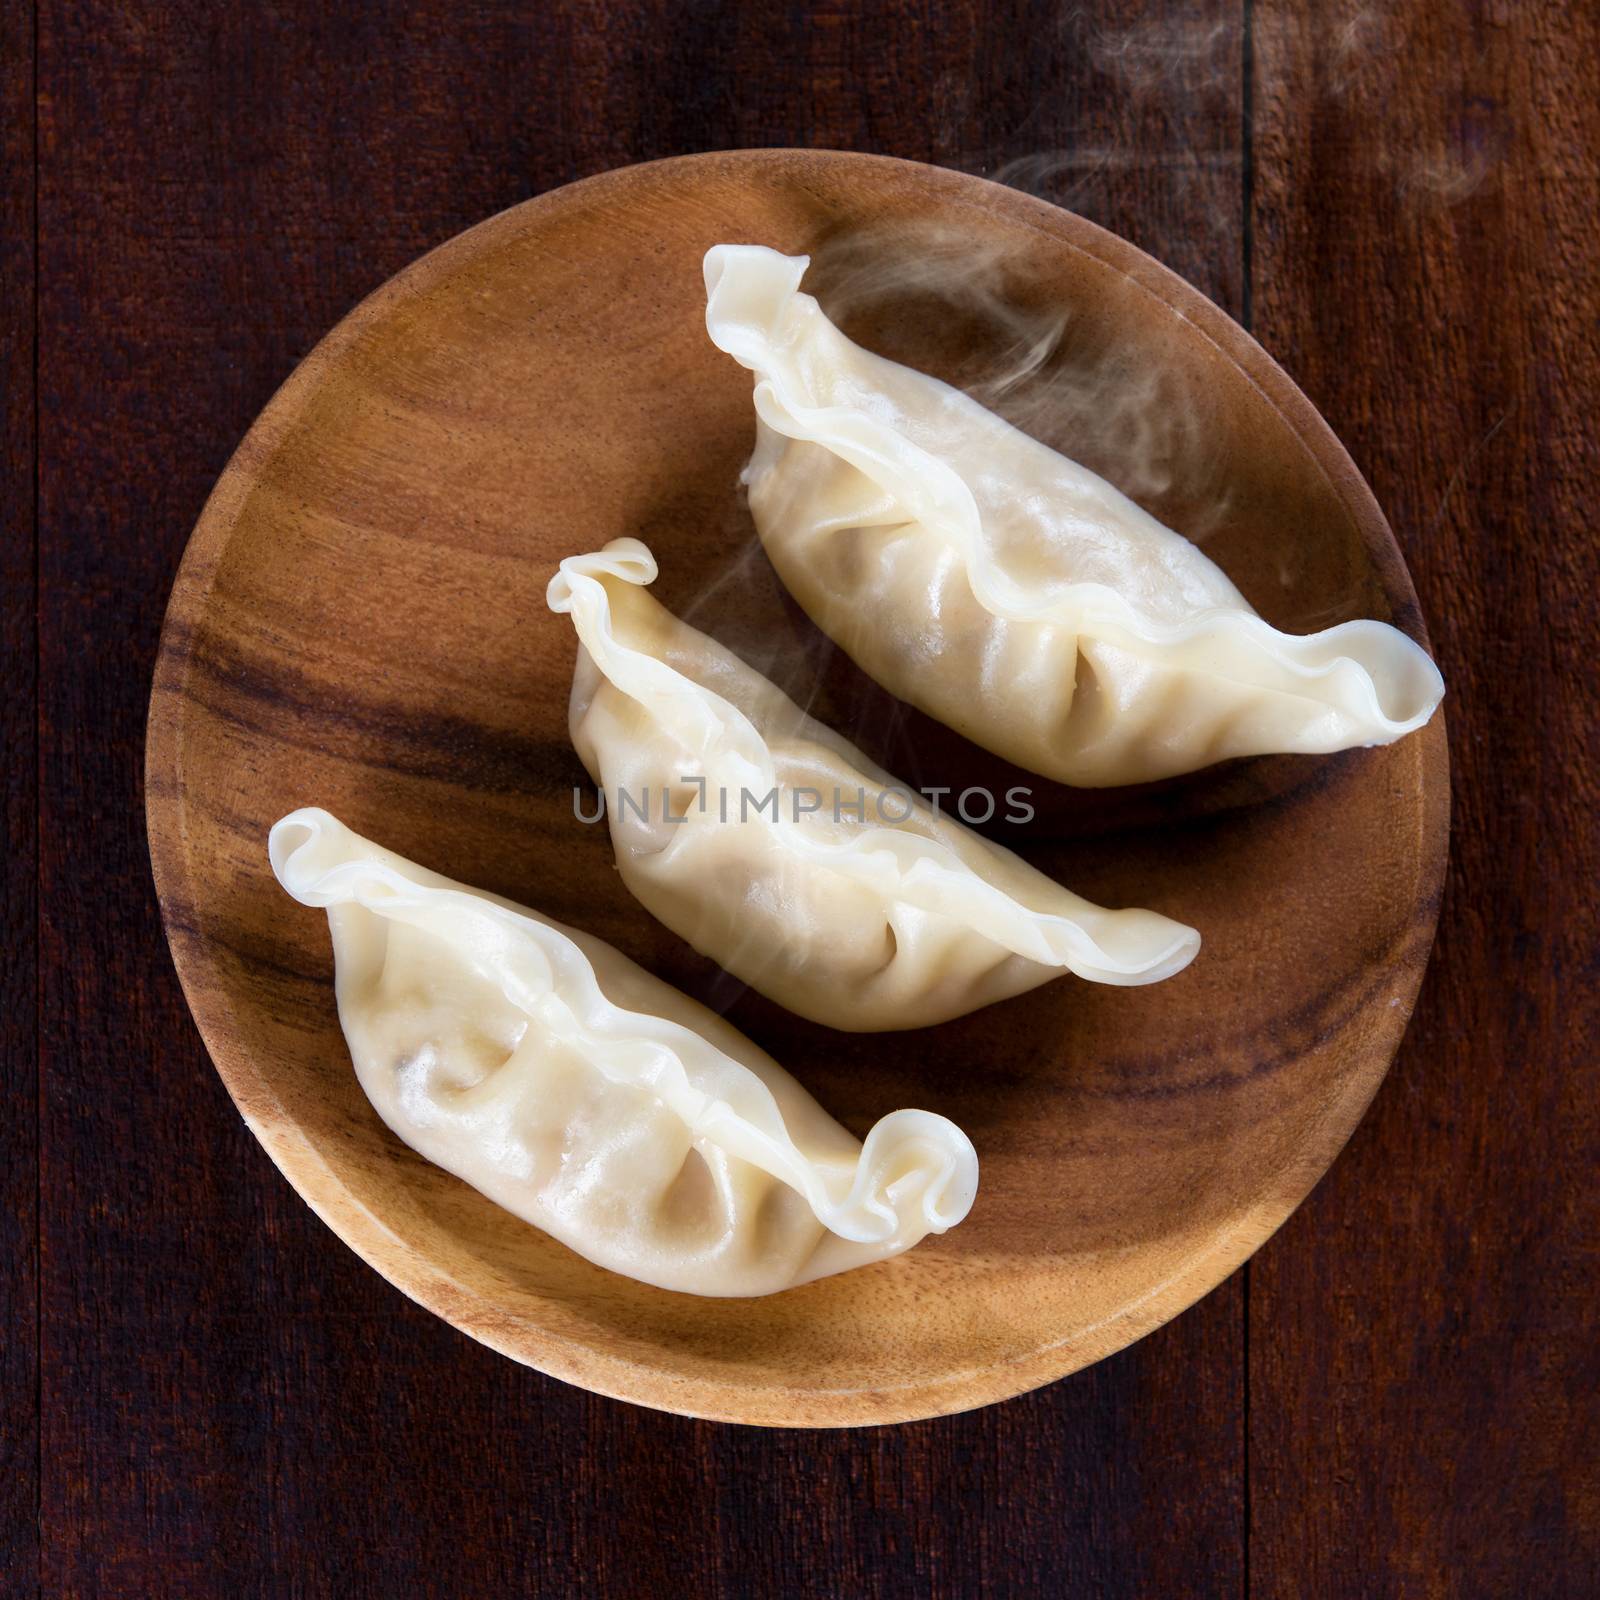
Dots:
pixel 1008 591
pixel 595 1101
pixel 894 918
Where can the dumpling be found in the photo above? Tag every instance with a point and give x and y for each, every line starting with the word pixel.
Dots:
pixel 776 848
pixel 1010 592
pixel 593 1100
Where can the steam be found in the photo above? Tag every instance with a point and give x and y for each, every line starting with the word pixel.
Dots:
pixel 1454 167
pixel 1188 54
pixel 793 657
pixel 1431 154
pixel 1443 177
pixel 864 274
pixel 967 307
pixel 976 312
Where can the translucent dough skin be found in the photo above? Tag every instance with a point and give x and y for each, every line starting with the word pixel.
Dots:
pixel 1010 592
pixel 596 1102
pixel 863 925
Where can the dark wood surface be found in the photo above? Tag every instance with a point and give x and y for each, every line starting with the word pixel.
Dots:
pixel 206 1394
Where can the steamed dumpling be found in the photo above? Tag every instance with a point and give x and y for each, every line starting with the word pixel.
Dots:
pixel 1010 592
pixel 869 913
pixel 593 1100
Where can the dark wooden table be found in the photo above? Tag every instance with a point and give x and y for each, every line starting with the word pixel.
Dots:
pixel 206 1394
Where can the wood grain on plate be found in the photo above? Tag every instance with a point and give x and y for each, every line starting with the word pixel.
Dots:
pixel 359 624
pixel 227 1403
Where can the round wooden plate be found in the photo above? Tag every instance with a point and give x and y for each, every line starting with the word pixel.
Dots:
pixel 359 623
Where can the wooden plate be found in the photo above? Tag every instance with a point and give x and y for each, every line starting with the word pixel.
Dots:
pixel 359 623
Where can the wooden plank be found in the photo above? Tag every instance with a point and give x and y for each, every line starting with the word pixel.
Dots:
pixel 19 1015
pixel 1425 1377
pixel 229 1397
